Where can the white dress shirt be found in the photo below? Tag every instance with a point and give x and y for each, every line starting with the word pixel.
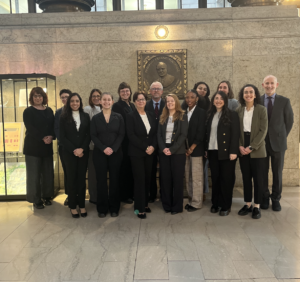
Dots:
pixel 248 119
pixel 76 117
pixel 169 130
pixel 146 123
pixel 190 112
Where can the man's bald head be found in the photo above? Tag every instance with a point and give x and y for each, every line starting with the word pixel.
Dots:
pixel 270 84
pixel 162 69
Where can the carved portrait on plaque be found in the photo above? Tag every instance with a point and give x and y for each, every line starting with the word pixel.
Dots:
pixel 165 66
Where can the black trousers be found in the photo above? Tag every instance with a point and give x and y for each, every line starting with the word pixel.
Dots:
pixel 223 179
pixel 142 171
pixel 76 180
pixel 39 178
pixel 277 162
pixel 252 168
pixel 126 177
pixel 172 173
pixel 60 151
pixel 153 186
pixel 107 199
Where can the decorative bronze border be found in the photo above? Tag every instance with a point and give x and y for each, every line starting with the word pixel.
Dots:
pixel 177 55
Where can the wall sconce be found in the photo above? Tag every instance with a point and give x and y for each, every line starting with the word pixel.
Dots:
pixel 161 32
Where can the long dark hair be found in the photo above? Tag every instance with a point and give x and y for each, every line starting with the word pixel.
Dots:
pixel 67 110
pixel 230 91
pixel 201 82
pixel 256 91
pixel 225 114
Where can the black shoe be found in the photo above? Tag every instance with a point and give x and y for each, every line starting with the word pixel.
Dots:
pixel 276 206
pixel 74 215
pixel 151 201
pixel 186 206
pixel 245 210
pixel 174 212
pixel 148 210
pixel 256 213
pixel 265 204
pixel 47 202
pixel 102 215
pixel 167 211
pixel 224 213
pixel 142 216
pixel 114 214
pixel 92 202
pixel 66 202
pixel 39 205
pixel 128 201
pixel 192 209
pixel 83 214
pixel 214 209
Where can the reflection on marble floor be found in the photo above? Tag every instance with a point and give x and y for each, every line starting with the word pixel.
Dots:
pixel 49 245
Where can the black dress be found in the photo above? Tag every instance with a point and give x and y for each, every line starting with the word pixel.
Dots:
pixel 38 155
pixel 126 177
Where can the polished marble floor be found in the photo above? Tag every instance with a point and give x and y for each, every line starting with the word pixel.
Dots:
pixel 48 245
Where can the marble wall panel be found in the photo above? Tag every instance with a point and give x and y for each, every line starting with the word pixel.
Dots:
pixel 38 52
pixel 73 51
pixel 266 46
pixel 10 53
pixel 28 35
pixel 263 29
pixel 76 34
pixel 209 48
pixel 15 19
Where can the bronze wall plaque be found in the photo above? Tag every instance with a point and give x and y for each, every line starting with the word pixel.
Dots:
pixel 165 66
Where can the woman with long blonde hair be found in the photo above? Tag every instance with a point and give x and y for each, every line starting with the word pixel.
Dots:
pixel 171 136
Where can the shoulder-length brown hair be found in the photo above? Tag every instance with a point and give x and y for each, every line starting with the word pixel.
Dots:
pixel 39 91
pixel 91 94
pixel 179 112
pixel 230 91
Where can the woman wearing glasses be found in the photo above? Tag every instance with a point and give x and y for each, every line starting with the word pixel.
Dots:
pixel 141 131
pixel 93 109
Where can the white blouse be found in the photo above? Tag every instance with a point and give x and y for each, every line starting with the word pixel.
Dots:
pixel 213 140
pixel 169 130
pixel 190 112
pixel 76 117
pixel 146 123
pixel 248 119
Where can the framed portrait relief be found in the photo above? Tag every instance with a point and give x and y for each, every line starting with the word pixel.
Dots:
pixel 166 66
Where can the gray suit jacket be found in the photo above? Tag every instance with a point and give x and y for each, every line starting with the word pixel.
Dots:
pixel 281 122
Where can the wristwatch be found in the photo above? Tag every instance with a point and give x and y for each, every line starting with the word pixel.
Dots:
pixel 250 148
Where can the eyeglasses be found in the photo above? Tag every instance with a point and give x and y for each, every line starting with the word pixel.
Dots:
pixel 37 96
pixel 96 97
pixel 141 100
pixel 156 89
pixel 64 97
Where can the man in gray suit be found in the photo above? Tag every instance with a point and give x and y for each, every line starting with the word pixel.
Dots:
pixel 281 119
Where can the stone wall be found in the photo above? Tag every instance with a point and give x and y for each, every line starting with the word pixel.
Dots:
pixel 99 50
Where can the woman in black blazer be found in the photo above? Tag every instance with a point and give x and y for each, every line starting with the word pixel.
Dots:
pixel 107 131
pixel 38 149
pixel 124 107
pixel 195 147
pixel 222 132
pixel 75 138
pixel 141 132
pixel 171 135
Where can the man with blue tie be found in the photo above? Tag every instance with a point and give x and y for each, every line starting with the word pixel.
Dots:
pixel 281 119
pixel 155 105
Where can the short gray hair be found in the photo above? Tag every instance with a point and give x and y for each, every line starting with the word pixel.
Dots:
pixel 157 82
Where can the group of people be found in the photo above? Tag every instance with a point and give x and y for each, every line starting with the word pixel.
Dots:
pixel 128 138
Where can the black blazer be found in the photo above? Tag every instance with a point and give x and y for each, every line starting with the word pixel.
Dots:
pixel 56 122
pixel 122 108
pixel 149 108
pixel 180 132
pixel 139 140
pixel 227 135
pixel 281 122
pixel 107 134
pixel 72 139
pixel 38 123
pixel 196 132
